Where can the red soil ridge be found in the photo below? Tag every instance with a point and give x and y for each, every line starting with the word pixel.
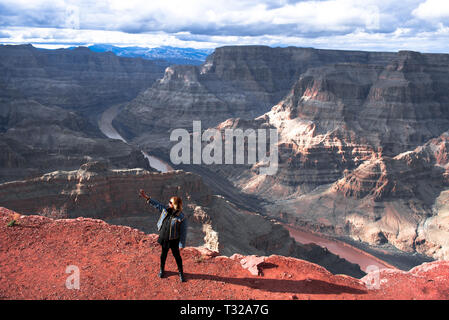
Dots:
pixel 118 262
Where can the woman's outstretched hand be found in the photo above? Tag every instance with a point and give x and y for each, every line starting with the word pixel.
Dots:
pixel 143 195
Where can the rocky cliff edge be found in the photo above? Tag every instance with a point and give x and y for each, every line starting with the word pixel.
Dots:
pixel 40 258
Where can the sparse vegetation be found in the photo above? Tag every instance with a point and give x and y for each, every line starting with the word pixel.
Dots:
pixel 200 259
pixel 14 220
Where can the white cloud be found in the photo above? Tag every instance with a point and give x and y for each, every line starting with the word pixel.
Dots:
pixel 196 16
pixel 400 39
pixel 223 15
pixel 432 10
pixel 328 15
pixel 345 24
pixel 56 37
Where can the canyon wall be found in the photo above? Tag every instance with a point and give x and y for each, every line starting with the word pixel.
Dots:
pixel 235 81
pixel 77 79
pixel 362 153
pixel 362 135
pixel 49 104
pixel 95 191
pixel 347 124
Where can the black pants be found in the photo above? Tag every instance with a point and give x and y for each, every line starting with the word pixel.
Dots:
pixel 174 246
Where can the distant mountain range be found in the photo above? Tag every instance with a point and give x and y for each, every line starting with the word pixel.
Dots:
pixel 172 55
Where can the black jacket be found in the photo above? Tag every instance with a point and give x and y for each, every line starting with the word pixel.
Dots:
pixel 177 223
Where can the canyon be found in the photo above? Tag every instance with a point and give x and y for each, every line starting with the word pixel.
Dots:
pixel 215 223
pixel 362 142
pixel 50 102
pixel 362 136
pixel 364 154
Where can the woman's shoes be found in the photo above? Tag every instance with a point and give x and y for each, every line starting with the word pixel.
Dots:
pixel 181 277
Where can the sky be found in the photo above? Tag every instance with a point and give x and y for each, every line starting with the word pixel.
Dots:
pixel 371 25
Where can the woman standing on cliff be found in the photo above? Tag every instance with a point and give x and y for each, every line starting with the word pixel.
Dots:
pixel 172 226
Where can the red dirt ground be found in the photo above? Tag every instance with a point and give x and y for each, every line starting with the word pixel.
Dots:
pixel 117 262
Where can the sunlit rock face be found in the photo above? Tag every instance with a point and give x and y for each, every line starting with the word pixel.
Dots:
pixel 397 200
pixel 362 136
pixel 362 152
pixel 355 134
pixel 336 117
pixel 235 81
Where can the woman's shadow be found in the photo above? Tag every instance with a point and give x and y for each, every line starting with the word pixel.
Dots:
pixel 309 286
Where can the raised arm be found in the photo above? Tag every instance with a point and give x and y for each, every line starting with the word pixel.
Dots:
pixel 153 202
pixel 143 195
pixel 156 204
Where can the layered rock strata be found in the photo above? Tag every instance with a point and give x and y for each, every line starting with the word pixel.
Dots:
pixel 362 152
pixel 234 81
pixel 94 191
pixel 49 102
pixel 396 200
pixel 77 79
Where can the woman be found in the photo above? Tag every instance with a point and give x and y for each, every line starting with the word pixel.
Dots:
pixel 172 227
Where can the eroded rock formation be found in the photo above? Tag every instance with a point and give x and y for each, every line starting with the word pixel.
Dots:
pixel 235 81
pixel 362 149
pixel 94 191
pixel 49 102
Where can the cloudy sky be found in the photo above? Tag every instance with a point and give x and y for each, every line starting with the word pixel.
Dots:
pixel 380 25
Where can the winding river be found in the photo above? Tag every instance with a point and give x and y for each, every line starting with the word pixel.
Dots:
pixel 365 260
pixel 105 125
